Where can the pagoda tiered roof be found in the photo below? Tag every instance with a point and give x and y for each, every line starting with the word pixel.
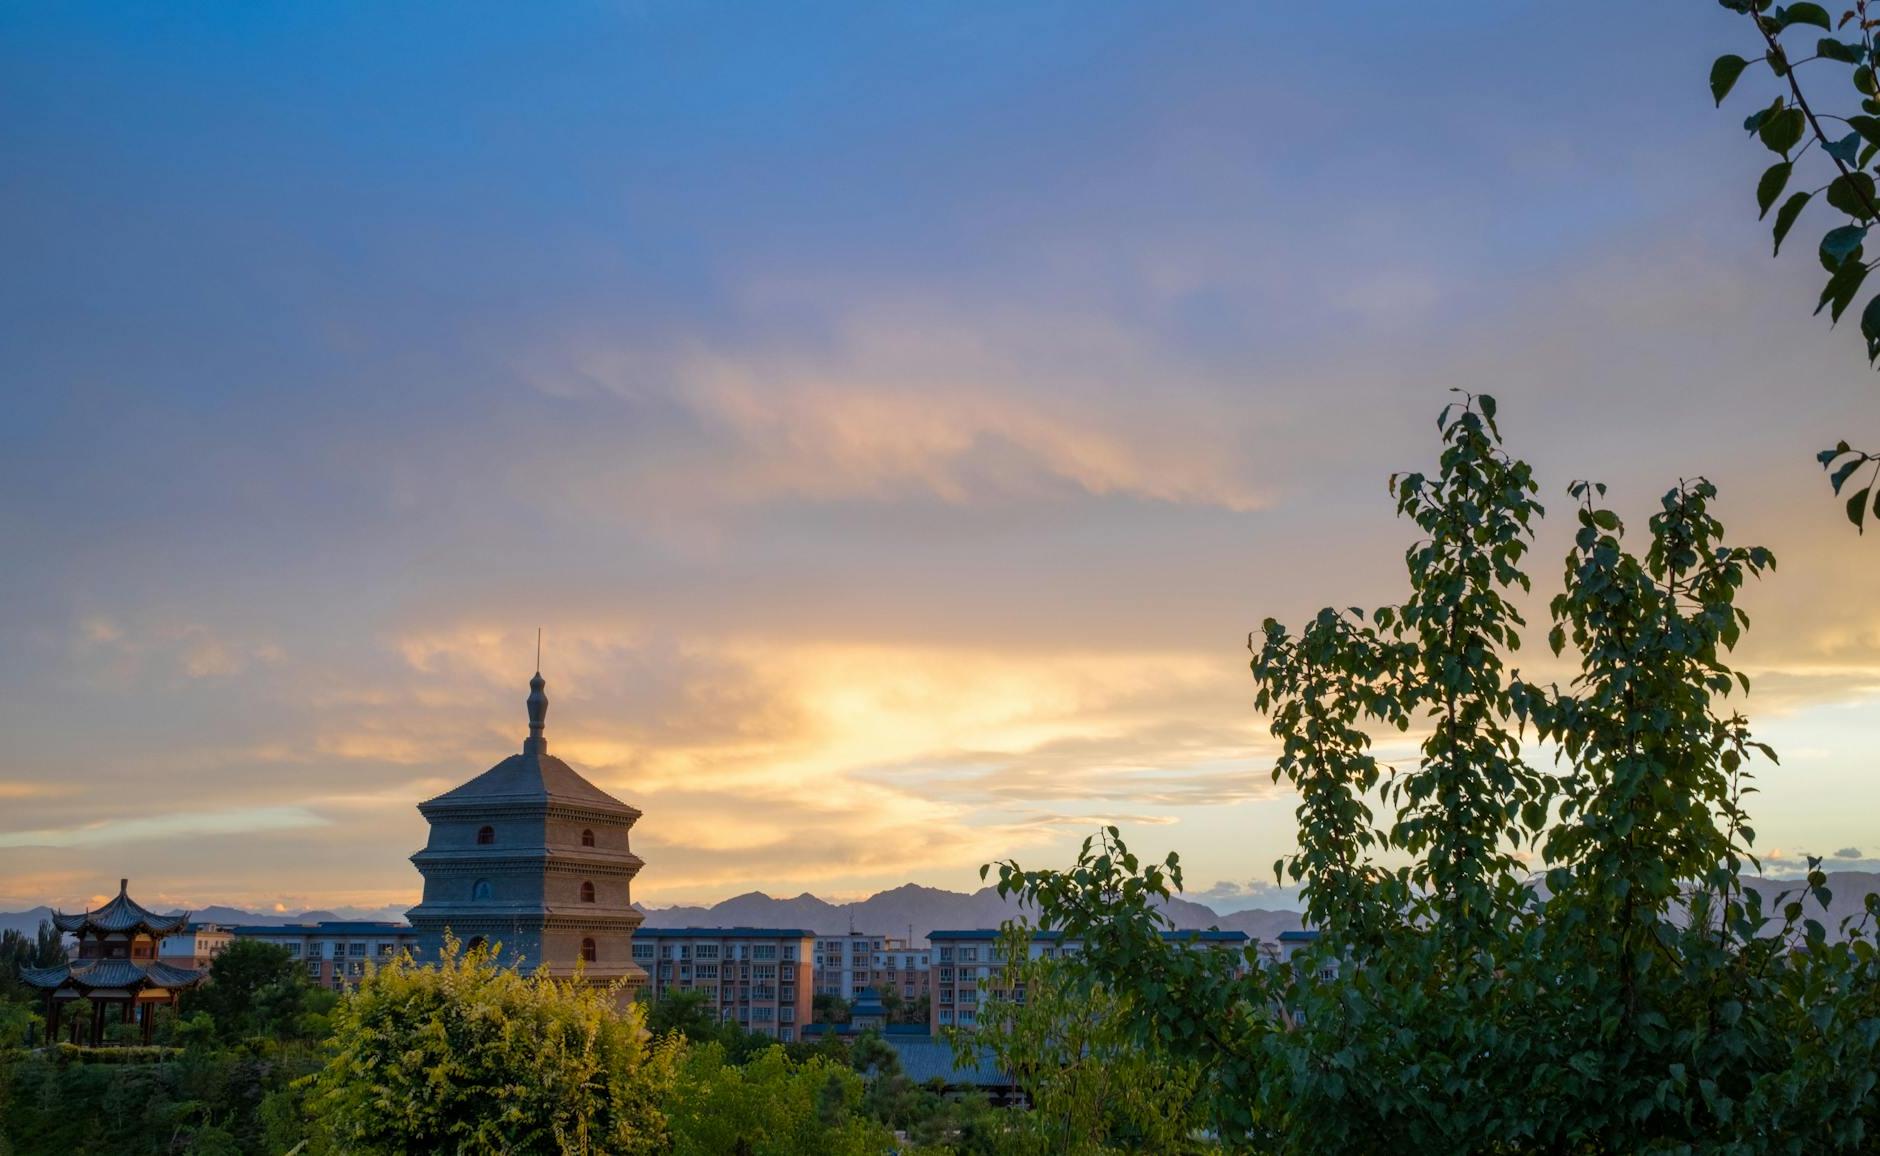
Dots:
pixel 90 975
pixel 122 914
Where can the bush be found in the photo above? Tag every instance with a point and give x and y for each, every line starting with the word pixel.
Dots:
pixel 469 1056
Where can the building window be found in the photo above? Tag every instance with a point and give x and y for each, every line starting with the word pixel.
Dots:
pixel 588 954
pixel 476 943
pixel 486 836
pixel 587 892
pixel 480 889
pixel 358 949
pixel 313 968
pixel 642 951
pixel 587 838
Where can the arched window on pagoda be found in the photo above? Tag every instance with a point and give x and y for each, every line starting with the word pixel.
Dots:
pixel 588 954
pixel 477 942
pixel 587 838
pixel 587 892
pixel 486 836
pixel 480 889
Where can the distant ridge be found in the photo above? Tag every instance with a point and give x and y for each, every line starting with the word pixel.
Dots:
pixel 930 908
pixel 927 909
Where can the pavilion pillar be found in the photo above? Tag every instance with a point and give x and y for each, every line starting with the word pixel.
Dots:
pixel 149 1013
pixel 97 1022
pixel 52 1019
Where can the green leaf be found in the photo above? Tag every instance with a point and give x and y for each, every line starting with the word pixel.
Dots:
pixel 1870 329
pixel 1845 472
pixel 1857 508
pixel 1841 287
pixel 1846 150
pixel 1840 243
pixel 1853 194
pixel 1774 179
pixel 1863 80
pixel 1723 74
pixel 1782 130
pixel 1830 49
pixel 1804 13
pixel 1785 216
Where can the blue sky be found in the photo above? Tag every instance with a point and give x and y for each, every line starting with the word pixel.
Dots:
pixel 895 415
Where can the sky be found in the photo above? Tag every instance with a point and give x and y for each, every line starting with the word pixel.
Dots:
pixel 894 416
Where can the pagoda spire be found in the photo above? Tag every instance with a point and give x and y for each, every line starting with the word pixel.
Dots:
pixel 538 717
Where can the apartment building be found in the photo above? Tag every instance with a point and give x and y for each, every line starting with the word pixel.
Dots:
pixel 845 964
pixel 903 969
pixel 335 952
pixel 760 978
pixel 195 946
pixel 967 965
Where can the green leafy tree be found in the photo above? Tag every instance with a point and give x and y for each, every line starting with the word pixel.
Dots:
pixel 1843 131
pixel 1093 1087
pixel 469 1056
pixel 258 989
pixel 767 1106
pixel 1642 1000
pixel 828 1008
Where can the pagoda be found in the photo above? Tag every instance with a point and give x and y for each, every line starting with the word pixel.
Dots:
pixel 534 859
pixel 117 965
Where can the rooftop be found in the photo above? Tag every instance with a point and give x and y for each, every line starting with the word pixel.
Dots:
pixel 121 914
pixel 329 927
pixel 723 933
pixel 533 776
pixel 986 933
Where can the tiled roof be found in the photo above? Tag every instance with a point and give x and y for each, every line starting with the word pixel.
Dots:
pixel 925 1058
pixel 723 933
pixel 528 778
pixel 121 914
pixel 986 933
pixel 330 927
pixel 1301 935
pixel 111 973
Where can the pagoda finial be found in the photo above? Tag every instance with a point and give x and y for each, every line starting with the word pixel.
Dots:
pixel 124 887
pixel 538 717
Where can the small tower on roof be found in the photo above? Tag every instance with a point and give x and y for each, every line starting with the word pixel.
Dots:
pixel 531 856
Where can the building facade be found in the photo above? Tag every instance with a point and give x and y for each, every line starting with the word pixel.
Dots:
pixel 194 946
pixel 335 952
pixel 761 979
pixel 845 964
pixel 968 965
pixel 904 970
pixel 532 861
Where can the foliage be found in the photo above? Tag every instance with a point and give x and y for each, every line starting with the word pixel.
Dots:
pixel 1093 1088
pixel 46 948
pixel 258 989
pixel 828 1008
pixel 143 1100
pixel 768 1105
pixel 469 1056
pixel 1644 1002
pixel 1789 126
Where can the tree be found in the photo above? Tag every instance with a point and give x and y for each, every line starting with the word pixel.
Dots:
pixel 1092 1086
pixel 1789 126
pixel 469 1056
pixel 768 1105
pixel 46 948
pixel 828 1008
pixel 1642 1000
pixel 258 989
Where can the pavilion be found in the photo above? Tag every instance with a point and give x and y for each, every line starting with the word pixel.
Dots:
pixel 116 964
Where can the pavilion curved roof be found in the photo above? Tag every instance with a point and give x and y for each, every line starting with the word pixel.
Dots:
pixel 121 914
pixel 92 974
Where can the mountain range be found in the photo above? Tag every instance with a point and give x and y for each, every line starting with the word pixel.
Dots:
pixel 915 910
